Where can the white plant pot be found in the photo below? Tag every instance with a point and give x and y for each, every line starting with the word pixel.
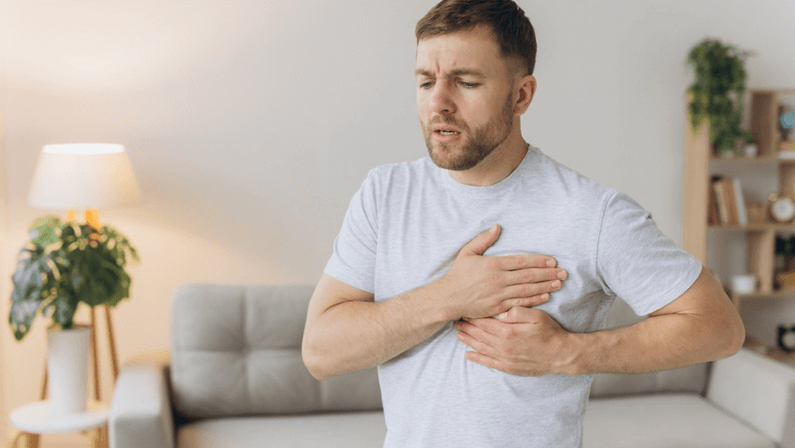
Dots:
pixel 67 368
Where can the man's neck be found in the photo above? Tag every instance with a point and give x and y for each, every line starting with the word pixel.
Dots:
pixel 496 166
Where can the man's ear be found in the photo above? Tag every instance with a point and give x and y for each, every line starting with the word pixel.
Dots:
pixel 527 86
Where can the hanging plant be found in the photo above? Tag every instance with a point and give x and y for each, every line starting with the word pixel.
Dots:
pixel 718 91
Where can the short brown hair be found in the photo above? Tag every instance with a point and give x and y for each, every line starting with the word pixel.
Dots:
pixel 511 27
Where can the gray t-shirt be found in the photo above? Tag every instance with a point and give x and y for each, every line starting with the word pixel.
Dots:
pixel 404 228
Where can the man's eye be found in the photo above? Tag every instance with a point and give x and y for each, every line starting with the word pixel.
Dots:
pixel 469 85
pixel 425 85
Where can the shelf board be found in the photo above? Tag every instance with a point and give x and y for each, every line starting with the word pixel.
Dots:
pixel 785 91
pixel 771 352
pixel 780 355
pixel 756 227
pixel 751 160
pixel 787 294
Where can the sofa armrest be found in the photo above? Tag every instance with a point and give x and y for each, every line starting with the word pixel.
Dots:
pixel 140 412
pixel 757 390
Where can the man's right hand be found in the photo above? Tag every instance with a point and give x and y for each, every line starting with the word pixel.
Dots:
pixel 482 286
pixel 347 330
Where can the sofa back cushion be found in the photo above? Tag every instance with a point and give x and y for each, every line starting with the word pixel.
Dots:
pixel 236 350
pixel 691 379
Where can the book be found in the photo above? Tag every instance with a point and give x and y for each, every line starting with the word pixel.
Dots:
pixel 727 202
pixel 742 214
pixel 713 215
pixel 720 196
pixel 731 204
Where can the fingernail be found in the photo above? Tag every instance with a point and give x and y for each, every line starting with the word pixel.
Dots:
pixel 551 263
pixel 556 284
pixel 562 275
pixel 503 315
pixel 493 228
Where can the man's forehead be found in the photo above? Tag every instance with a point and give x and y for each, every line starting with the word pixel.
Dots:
pixel 474 51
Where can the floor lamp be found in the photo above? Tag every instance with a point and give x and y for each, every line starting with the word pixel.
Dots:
pixel 85 176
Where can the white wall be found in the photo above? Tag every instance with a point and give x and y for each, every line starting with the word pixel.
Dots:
pixel 4 269
pixel 251 124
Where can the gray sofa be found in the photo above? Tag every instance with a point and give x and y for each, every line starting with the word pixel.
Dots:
pixel 235 378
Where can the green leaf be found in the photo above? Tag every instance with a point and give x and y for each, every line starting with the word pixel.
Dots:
pixel 718 91
pixel 21 317
pixel 65 264
pixel 64 311
pixel 46 231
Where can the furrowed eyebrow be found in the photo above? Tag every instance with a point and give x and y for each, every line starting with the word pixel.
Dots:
pixel 420 72
pixel 467 72
pixel 454 73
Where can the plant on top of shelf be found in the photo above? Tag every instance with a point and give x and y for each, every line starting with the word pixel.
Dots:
pixel 66 263
pixel 718 92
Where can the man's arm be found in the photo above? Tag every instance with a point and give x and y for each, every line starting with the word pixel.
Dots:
pixel 347 330
pixel 701 325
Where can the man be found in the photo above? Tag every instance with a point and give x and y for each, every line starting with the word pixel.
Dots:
pixel 436 277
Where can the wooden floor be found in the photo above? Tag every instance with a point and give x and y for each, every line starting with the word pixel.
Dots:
pixel 64 441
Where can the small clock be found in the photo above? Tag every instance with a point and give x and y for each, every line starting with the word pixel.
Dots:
pixel 786 338
pixel 782 208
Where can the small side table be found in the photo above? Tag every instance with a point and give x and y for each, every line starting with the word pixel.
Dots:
pixel 34 419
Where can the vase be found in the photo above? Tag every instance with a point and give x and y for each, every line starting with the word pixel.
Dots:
pixel 67 368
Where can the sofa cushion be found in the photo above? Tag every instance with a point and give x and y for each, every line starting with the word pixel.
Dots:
pixel 653 421
pixel 332 430
pixel 236 350
pixel 664 421
pixel 692 379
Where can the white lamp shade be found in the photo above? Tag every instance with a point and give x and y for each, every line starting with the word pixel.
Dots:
pixel 83 176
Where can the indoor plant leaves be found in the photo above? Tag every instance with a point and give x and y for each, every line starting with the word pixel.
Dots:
pixel 718 91
pixel 63 265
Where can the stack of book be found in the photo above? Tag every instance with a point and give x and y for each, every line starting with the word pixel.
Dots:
pixel 787 150
pixel 726 204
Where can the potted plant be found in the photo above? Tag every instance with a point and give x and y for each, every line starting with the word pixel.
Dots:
pixel 717 93
pixel 65 264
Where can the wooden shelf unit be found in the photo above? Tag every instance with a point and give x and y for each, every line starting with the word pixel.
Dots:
pixel 699 157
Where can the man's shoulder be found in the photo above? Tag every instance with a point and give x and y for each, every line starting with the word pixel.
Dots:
pixel 418 166
pixel 402 174
pixel 569 182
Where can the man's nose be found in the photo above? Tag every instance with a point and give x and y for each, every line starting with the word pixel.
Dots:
pixel 442 99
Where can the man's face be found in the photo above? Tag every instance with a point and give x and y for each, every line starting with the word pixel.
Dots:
pixel 464 97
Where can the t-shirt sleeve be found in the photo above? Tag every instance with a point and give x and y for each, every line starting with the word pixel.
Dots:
pixel 354 256
pixel 637 262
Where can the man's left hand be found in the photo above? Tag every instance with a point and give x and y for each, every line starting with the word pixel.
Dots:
pixel 523 341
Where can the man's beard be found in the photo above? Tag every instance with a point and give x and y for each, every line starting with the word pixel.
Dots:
pixel 481 143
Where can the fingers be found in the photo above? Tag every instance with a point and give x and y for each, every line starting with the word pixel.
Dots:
pixel 491 331
pixel 483 241
pixel 520 314
pixel 535 275
pixel 483 335
pixel 520 294
pixel 525 261
pixel 527 302
pixel 479 340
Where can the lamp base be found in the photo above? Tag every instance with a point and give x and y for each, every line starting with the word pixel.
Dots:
pixel 91 217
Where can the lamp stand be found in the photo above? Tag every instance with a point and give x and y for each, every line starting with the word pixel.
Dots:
pixel 99 436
